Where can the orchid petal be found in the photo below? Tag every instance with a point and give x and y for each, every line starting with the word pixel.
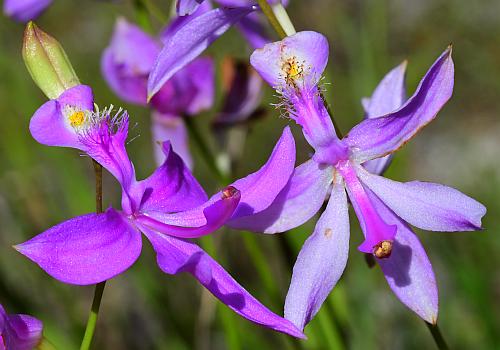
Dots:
pixel 408 269
pixel 302 197
pixel 190 91
pixel 22 332
pixel 105 143
pixel 125 73
pixel 50 124
pixel 87 249
pixel 172 129
pixel 377 137
pixel 426 205
pixel 260 189
pixel 197 222
pixel 178 22
pixel 171 188
pixel 308 49
pixel 187 7
pixel 24 10
pixel 176 256
pixel 253 30
pixel 321 261
pixel 389 95
pixel 190 41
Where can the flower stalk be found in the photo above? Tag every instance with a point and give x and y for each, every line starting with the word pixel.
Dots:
pixel 437 336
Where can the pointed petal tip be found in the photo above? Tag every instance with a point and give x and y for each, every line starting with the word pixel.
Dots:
pixel 18 247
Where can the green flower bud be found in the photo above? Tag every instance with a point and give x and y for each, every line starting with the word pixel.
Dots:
pixel 47 62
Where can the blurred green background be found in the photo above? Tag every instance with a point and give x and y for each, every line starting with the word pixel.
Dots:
pixel 146 309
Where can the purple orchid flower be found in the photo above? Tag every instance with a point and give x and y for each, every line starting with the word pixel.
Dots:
pixel 24 10
pixel 168 207
pixel 192 34
pixel 19 332
pixel 384 207
pixel 188 93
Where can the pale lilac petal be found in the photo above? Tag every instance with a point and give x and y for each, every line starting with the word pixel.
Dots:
pixel 260 189
pixel 24 10
pixel 196 222
pixel 22 332
pixel 408 270
pixel 426 205
pixel 87 249
pixel 302 197
pixel 189 42
pixel 321 261
pixel 172 129
pixel 50 124
pixel 187 7
pixel 309 49
pixel 389 95
pixel 176 256
pixel 377 137
pixel 171 188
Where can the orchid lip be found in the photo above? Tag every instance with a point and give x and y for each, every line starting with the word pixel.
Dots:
pixel 378 234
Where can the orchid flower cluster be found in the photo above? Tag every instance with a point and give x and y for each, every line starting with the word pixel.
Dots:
pixel 171 208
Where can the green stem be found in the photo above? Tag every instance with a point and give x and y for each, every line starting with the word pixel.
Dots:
pixel 437 336
pixel 271 17
pixel 99 288
pixel 204 149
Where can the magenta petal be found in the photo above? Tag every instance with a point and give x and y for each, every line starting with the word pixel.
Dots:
pixel 176 256
pixel 172 129
pixel 302 197
pixel 321 261
pixel 21 332
pixel 426 205
pixel 260 189
pixel 50 124
pixel 408 270
pixel 171 188
pixel 377 137
pixel 196 222
pixel 189 42
pixel 87 249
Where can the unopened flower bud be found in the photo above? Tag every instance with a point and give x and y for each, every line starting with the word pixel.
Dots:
pixel 47 62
